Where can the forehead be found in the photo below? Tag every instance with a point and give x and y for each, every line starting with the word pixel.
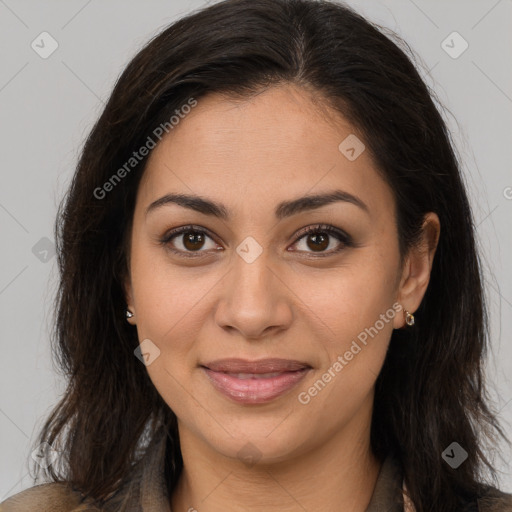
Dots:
pixel 253 153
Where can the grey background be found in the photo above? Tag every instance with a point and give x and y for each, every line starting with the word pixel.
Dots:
pixel 47 106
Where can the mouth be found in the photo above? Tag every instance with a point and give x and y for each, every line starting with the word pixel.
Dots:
pixel 255 382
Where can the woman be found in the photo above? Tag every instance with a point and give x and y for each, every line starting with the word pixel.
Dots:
pixel 265 254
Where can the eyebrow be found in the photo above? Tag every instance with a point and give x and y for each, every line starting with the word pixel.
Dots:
pixel 283 210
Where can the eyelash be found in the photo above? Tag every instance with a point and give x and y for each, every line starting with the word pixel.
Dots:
pixel 346 240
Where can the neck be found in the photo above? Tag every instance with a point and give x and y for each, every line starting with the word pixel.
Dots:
pixel 340 473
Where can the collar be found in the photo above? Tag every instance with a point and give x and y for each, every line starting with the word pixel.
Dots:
pixel 388 492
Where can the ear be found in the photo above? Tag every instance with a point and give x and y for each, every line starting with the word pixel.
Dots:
pixel 417 268
pixel 128 293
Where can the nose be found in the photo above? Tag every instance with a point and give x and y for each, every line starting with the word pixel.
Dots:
pixel 254 300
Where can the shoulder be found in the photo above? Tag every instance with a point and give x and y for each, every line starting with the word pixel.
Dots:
pixel 49 497
pixel 494 500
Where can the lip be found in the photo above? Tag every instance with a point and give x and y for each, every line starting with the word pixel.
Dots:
pixel 253 387
pixel 234 365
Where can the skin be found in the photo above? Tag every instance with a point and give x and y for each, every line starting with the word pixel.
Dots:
pixel 295 304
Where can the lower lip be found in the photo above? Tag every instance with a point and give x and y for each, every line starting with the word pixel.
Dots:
pixel 254 391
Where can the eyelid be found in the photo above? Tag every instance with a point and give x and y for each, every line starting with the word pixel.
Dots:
pixel 344 239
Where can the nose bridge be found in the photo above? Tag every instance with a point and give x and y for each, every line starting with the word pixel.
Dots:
pixel 252 276
pixel 250 300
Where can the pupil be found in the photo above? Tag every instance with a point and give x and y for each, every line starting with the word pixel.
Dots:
pixel 316 244
pixel 193 237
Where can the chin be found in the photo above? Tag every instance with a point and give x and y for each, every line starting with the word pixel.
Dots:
pixel 266 441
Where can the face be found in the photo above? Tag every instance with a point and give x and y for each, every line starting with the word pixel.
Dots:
pixel 253 285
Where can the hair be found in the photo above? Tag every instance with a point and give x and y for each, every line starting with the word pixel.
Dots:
pixel 431 390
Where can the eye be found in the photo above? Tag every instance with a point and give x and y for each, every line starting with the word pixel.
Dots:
pixel 317 239
pixel 191 239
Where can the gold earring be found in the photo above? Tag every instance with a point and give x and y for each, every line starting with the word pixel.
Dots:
pixel 409 317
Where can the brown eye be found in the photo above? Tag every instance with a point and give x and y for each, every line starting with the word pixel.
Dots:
pixel 187 240
pixel 318 239
pixel 193 240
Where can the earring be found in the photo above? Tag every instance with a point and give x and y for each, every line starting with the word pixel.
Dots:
pixel 409 317
pixel 129 314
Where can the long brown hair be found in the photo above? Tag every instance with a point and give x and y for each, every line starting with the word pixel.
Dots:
pixel 430 391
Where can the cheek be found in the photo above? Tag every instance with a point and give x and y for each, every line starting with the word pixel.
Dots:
pixel 171 304
pixel 353 360
pixel 354 308
pixel 344 301
pixel 167 303
pixel 165 294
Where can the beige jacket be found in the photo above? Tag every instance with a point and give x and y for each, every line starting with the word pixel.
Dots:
pixel 146 492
